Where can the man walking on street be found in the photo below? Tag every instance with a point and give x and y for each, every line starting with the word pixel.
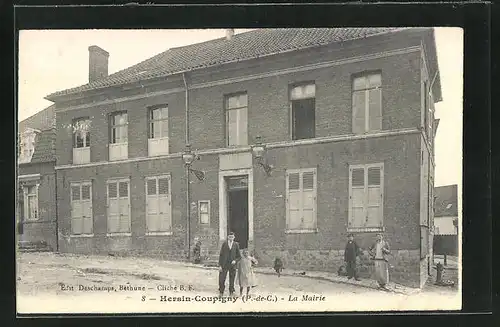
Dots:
pixel 351 252
pixel 229 255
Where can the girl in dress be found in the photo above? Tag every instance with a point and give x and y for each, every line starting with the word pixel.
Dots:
pixel 246 276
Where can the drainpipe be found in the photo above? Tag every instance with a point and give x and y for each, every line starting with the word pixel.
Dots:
pixel 188 191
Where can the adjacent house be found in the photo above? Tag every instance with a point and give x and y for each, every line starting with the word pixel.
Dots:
pixel 36 206
pixel 299 136
pixel 446 220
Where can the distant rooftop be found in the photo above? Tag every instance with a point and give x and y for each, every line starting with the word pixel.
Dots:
pixel 42 120
pixel 446 203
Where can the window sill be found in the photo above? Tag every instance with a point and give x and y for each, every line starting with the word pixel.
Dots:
pixel 301 231
pixel 119 234
pixel 81 235
pixel 159 233
pixel 365 229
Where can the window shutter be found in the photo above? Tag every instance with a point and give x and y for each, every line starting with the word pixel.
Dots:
pixel 85 192
pixel 113 208
pixel 152 213
pixel 293 181
pixel 309 200
pixel 163 186
pixel 75 193
pixel 356 197
pixel 164 214
pixel 112 191
pixel 375 109
pixel 374 203
pixel 358 112
pixel 151 186
pixel 124 222
pixel 87 220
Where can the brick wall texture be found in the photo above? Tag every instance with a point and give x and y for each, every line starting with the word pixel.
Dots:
pixel 268 116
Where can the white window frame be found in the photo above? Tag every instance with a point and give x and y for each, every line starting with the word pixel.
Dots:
pixel 158 146
pixel 315 192
pixel 303 97
pixel 27 197
pixel 81 155
pixel 200 213
pixel 381 226
pixel 366 91
pixel 227 109
pixel 146 179
pixel 117 181
pixel 80 184
pixel 122 147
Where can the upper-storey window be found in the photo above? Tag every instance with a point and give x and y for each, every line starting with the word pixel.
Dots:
pixel 236 119
pixel 303 111
pixel 366 103
pixel 118 147
pixel 81 141
pixel 158 131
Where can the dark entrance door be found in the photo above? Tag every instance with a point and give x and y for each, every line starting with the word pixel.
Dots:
pixel 238 209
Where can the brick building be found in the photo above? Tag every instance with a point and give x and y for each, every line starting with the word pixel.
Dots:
pixel 346 118
pixel 36 202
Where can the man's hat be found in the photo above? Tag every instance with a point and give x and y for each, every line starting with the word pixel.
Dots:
pixel 350 235
pixel 231 233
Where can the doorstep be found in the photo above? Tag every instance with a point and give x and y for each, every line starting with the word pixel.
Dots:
pixel 319 275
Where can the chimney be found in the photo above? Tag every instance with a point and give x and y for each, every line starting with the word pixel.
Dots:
pixel 98 63
pixel 229 33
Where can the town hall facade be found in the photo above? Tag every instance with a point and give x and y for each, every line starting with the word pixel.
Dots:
pixel 298 136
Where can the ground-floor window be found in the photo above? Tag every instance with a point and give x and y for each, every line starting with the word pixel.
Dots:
pixel 158 204
pixel 31 202
pixel 81 208
pixel 301 200
pixel 366 197
pixel 204 212
pixel 118 206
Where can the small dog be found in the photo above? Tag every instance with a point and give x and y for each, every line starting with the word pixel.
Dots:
pixel 342 271
pixel 278 266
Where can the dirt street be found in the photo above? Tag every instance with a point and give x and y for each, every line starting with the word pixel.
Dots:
pixel 62 283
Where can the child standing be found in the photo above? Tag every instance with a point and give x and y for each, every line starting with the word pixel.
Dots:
pixel 246 276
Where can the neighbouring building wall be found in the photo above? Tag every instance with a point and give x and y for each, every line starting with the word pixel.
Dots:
pixel 44 227
pixel 444 226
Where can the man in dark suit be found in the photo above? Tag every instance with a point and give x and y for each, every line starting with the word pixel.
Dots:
pixel 352 250
pixel 229 256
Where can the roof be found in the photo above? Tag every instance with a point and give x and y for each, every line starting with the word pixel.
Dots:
pixel 446 203
pixel 45 147
pixel 243 46
pixel 42 120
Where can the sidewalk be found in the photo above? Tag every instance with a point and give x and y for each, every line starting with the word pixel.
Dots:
pixel 325 276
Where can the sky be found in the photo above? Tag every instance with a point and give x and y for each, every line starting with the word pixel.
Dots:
pixel 53 60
